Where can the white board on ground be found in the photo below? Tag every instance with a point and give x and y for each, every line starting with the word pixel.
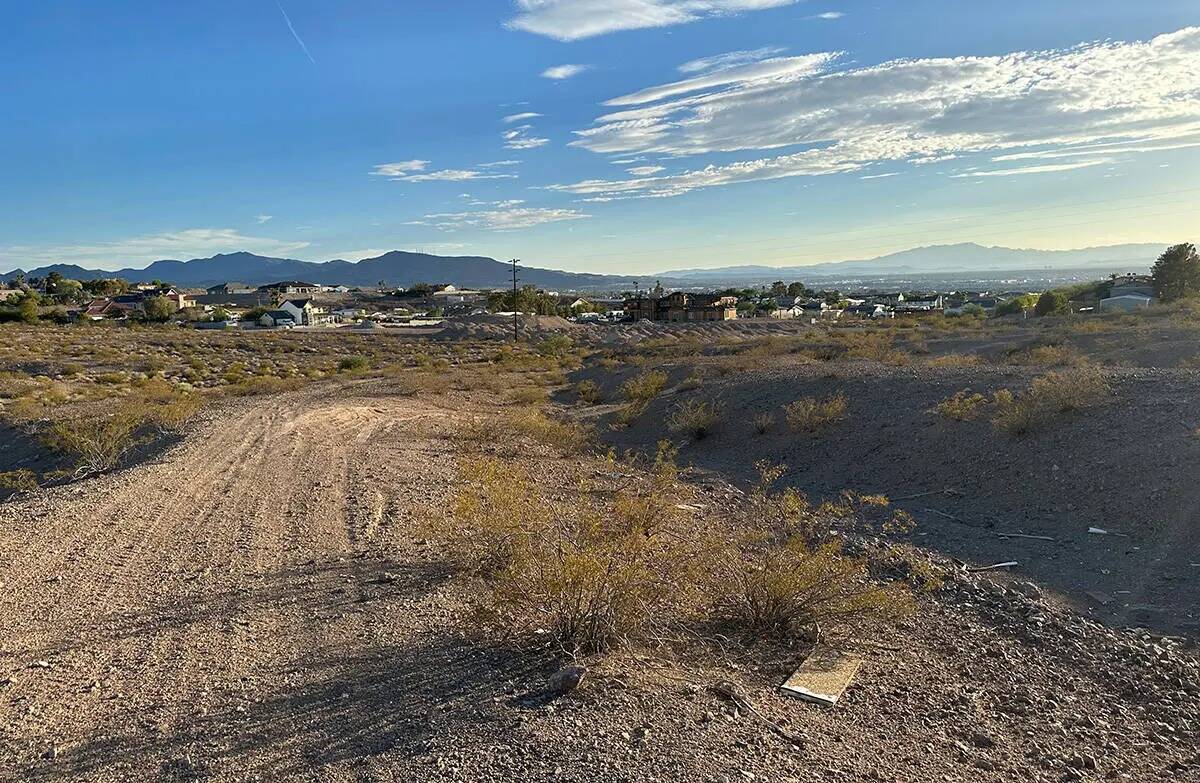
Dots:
pixel 823 677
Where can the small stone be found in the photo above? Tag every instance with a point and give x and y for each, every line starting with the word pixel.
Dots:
pixel 565 680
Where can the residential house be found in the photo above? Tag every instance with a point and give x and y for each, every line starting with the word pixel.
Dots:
pixel 872 310
pixel 303 311
pixel 928 303
pixel 680 306
pixel 229 288
pixel 277 319
pixel 290 288
pixel 1126 303
pixel 1133 285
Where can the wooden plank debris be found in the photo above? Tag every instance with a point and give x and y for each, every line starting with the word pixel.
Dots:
pixel 823 677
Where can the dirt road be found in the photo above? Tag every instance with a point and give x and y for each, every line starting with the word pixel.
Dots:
pixel 173 598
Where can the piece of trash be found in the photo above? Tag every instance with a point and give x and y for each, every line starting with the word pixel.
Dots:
pixel 823 677
pixel 993 566
pixel 1100 597
pixel 1097 531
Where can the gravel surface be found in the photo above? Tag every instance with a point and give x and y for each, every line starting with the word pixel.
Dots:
pixel 260 603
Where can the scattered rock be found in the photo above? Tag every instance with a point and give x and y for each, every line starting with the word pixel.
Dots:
pixel 565 680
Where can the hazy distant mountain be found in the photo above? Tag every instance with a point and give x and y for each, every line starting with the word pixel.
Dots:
pixel 397 268
pixel 940 259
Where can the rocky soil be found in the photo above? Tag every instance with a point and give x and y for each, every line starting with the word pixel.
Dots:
pixel 261 603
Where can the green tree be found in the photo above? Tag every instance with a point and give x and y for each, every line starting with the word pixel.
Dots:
pixel 157 308
pixel 778 288
pixel 27 308
pixel 1177 273
pixel 220 314
pixel 796 289
pixel 1050 303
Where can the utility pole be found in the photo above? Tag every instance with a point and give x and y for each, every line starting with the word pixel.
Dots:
pixel 516 317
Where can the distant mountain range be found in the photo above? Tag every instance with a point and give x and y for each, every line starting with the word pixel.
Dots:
pixel 401 268
pixel 397 268
pixel 942 259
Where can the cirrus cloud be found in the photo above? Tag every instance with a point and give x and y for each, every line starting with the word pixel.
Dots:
pixel 1135 95
pixel 507 216
pixel 571 20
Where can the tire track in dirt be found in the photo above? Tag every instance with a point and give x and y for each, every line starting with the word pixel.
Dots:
pixel 183 591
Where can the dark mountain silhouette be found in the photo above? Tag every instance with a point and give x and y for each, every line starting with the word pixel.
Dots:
pixel 397 268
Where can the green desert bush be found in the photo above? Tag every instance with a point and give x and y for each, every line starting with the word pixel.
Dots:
pixel 643 389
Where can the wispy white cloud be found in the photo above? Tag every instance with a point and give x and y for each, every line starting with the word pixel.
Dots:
pixel 498 163
pixel 1141 95
pixel 571 20
pixel 1046 168
pixel 828 15
pixel 399 168
pixel 720 62
pixel 142 250
pixel 520 138
pixel 559 72
pixel 760 73
pixel 644 171
pixel 414 171
pixel 503 218
pixel 522 117
pixel 296 35
pixel 261 219
pixel 880 176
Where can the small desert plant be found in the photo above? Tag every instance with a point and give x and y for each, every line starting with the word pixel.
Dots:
pixel 695 418
pixel 955 360
pixel 18 481
pixel 353 364
pixel 811 415
pixel 1045 356
pixel 534 424
pixel 1049 397
pixel 645 387
pixel 528 395
pixel 588 391
pixel 788 589
pixel 963 406
pixel 97 443
pixel 588 578
pixel 763 423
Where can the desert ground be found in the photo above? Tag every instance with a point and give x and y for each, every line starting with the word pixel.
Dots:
pixel 263 592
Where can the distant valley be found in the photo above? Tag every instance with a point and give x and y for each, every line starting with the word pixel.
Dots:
pixel 401 268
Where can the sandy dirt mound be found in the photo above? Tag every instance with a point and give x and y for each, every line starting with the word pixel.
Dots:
pixel 1121 467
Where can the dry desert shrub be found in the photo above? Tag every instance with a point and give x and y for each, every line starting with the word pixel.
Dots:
pixel 955 360
pixel 528 395
pixel 589 578
pixel 18 481
pixel 809 414
pixel 98 441
pixel 1048 399
pixel 264 384
pixel 643 389
pixel 694 418
pixel 1045 356
pixel 588 391
pixel 963 406
pixel 631 567
pixel 763 423
pixel 788 588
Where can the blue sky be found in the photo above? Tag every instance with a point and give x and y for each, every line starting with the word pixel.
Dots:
pixel 657 134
